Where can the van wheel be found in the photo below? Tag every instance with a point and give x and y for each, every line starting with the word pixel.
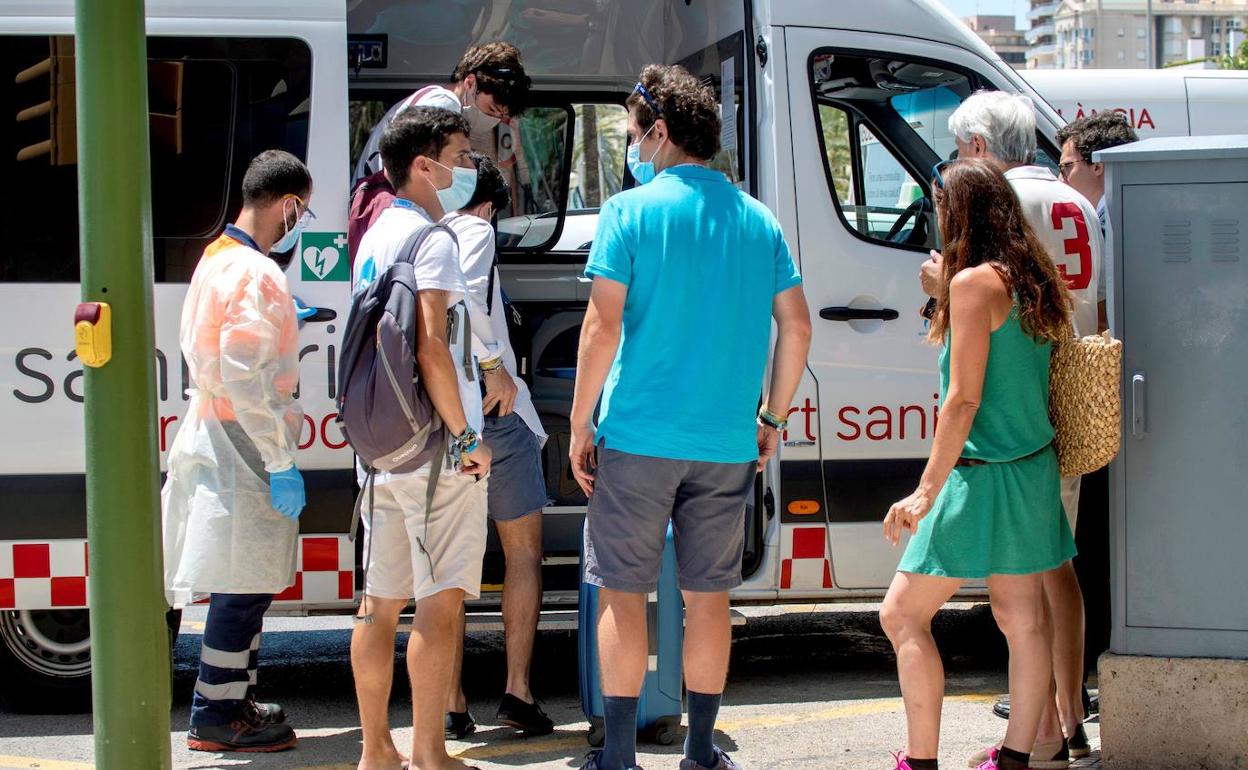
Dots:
pixel 45 660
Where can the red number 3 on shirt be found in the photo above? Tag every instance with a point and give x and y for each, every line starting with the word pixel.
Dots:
pixel 1078 246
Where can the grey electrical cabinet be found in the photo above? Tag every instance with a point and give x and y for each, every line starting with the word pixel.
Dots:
pixel 1178 294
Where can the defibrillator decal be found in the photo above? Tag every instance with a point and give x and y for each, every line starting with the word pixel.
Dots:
pixel 324 257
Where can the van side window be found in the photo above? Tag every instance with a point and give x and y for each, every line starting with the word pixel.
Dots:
pixel 885 123
pixel 214 103
pixel 875 195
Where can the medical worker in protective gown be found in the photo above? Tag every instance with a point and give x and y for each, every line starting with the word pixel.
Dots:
pixel 233 495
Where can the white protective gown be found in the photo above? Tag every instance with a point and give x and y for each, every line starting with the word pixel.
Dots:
pixel 239 335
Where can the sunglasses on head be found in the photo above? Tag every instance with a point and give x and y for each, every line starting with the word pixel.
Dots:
pixel 649 100
pixel 938 181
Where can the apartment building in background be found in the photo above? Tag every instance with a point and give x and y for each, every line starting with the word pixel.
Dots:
pixel 1041 35
pixel 1002 34
pixel 1114 34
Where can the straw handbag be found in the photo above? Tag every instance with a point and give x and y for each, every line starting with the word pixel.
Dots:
pixel 1085 403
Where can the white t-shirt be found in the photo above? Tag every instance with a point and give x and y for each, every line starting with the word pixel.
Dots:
pixel 1068 227
pixel 490 337
pixel 429 96
pixel 436 267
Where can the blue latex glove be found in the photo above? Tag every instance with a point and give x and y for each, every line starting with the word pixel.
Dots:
pixel 302 311
pixel 287 493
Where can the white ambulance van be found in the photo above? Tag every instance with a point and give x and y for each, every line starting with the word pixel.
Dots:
pixel 829 111
pixel 1165 102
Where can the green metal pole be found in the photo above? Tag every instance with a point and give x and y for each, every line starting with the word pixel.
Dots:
pixel 129 638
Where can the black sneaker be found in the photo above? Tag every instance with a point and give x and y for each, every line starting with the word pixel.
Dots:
pixel 459 725
pixel 262 714
pixel 528 718
pixel 241 735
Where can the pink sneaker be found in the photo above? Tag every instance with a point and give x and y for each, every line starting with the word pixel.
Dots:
pixel 900 758
pixel 991 762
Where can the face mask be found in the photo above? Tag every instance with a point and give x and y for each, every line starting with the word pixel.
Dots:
pixel 479 120
pixel 291 238
pixel 463 185
pixel 642 170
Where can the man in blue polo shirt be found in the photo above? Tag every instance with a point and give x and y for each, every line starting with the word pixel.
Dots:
pixel 688 273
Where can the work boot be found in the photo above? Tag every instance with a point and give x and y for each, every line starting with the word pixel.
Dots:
pixel 241 735
pixel 528 718
pixel 262 714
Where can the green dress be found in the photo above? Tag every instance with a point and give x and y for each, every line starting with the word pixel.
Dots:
pixel 1004 517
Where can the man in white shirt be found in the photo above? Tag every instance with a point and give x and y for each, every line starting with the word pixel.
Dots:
pixel 489 85
pixel 1001 127
pixel 514 433
pixel 432 556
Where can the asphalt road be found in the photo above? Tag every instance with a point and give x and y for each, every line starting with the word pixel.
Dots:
pixel 811 687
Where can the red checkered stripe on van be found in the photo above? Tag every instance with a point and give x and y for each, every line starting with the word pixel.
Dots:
pixel 804 560
pixel 52 574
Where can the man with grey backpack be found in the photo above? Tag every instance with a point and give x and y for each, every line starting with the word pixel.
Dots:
pixel 411 407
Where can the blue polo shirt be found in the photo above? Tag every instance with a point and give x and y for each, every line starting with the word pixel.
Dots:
pixel 702 261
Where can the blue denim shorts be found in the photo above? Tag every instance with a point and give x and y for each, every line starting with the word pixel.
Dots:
pixel 517 483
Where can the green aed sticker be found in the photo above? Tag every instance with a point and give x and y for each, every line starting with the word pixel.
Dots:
pixel 324 257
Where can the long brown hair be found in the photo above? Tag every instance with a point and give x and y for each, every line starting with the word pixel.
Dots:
pixel 981 222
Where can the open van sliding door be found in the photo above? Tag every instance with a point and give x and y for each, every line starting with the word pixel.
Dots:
pixel 869 119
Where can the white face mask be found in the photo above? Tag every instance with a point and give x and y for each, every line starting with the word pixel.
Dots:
pixel 479 120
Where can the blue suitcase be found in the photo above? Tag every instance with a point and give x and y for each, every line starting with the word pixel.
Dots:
pixel 659 709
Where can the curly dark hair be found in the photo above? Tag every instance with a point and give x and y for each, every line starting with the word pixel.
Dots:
pixel 982 222
pixel 499 74
pixel 686 105
pixel 1097 132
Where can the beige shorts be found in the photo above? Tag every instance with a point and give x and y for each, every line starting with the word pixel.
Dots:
pixel 454 539
pixel 1070 499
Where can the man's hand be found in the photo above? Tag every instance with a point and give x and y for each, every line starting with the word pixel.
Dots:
pixel 584 457
pixel 500 391
pixel 477 462
pixel 929 274
pixel 768 442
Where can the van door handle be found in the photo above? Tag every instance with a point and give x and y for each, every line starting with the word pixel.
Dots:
pixel 1137 405
pixel 843 313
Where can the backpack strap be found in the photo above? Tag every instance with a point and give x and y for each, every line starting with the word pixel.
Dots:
pixel 412 246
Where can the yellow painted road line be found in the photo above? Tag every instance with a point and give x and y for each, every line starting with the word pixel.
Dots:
pixel 37 763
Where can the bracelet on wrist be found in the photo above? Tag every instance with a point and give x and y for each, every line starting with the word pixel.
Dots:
pixel 772 420
pixel 466 442
pixel 490 364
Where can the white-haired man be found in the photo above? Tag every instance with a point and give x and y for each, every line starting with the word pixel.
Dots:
pixel 1001 127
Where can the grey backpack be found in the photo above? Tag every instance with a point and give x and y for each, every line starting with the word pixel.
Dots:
pixel 384 411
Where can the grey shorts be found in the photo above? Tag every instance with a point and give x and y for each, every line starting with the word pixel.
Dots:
pixel 635 496
pixel 517 484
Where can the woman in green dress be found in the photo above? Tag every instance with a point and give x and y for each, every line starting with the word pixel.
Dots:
pixel 988 505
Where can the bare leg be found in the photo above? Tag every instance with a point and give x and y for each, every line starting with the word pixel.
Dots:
pixel 522 596
pixel 622 642
pixel 372 664
pixel 458 702
pixel 1065 601
pixel 906 616
pixel 429 654
pixel 708 641
pixel 1018 606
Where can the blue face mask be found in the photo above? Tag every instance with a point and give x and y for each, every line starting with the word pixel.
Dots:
pixel 642 170
pixel 291 238
pixel 463 185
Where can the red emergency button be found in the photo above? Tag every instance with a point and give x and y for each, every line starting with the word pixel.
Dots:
pixel 87 311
